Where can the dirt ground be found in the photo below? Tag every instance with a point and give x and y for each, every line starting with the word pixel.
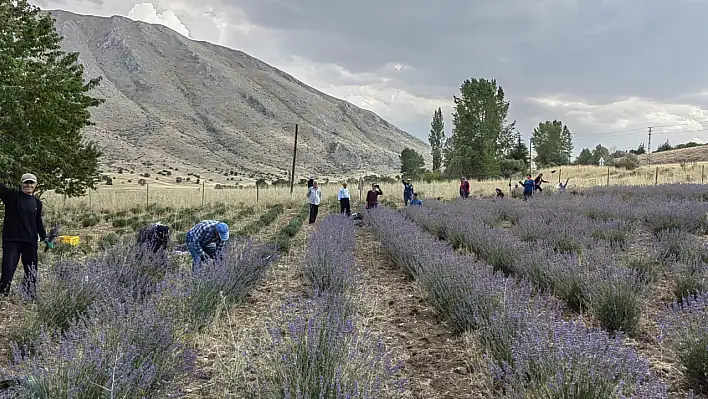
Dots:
pixel 436 364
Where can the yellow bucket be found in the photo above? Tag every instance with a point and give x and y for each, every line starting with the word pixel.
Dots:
pixel 71 240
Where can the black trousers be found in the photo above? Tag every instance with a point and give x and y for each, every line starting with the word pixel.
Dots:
pixel 12 253
pixel 313 212
pixel 344 206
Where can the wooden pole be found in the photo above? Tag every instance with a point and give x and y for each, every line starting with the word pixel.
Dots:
pixel 147 195
pixel 89 192
pixel 703 167
pixel 608 176
pixel 656 176
pixel 560 173
pixel 258 194
pixel 292 173
pixel 203 192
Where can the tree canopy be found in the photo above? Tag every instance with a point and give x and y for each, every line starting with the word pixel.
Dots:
pixel 437 139
pixel 412 163
pixel 43 105
pixel 553 143
pixel 481 136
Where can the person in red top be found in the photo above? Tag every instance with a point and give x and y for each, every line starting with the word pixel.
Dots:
pixel 464 188
pixel 372 197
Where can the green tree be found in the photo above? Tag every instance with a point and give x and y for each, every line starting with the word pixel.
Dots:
pixel 639 151
pixel 481 136
pixel 600 152
pixel 43 105
pixel 553 143
pixel 437 138
pixel 664 147
pixel 519 152
pixel 585 157
pixel 412 163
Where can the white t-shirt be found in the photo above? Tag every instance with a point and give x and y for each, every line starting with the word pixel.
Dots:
pixel 343 193
pixel 314 195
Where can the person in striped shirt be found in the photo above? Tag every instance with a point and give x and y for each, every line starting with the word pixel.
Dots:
pixel 204 236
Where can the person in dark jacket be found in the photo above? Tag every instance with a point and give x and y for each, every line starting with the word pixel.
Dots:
pixel 499 193
pixel 21 227
pixel 372 197
pixel 538 181
pixel 155 235
pixel 407 191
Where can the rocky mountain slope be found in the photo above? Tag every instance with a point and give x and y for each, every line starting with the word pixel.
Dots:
pixel 175 101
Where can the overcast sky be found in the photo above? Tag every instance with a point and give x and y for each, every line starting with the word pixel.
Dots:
pixel 606 68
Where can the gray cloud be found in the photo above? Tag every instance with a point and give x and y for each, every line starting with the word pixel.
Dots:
pixel 588 56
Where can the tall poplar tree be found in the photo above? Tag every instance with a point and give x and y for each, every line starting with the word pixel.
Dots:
pixel 437 139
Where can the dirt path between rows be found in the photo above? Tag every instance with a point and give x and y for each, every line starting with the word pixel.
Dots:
pixel 436 363
pixel 221 345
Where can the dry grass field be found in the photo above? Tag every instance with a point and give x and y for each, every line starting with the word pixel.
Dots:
pixel 126 196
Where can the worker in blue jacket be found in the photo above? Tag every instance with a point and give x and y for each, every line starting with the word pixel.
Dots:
pixel 529 185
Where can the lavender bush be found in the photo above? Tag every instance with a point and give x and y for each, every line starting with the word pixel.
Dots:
pixel 232 275
pixel 329 262
pixel 118 350
pixel 685 330
pixel 319 352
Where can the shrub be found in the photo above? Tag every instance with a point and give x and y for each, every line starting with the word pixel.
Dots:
pixel 329 262
pixel 685 329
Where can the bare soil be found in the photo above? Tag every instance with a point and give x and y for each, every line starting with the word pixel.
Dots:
pixel 436 364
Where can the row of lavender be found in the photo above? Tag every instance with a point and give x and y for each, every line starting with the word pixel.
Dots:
pixel 120 324
pixel 317 347
pixel 530 350
pixel 581 253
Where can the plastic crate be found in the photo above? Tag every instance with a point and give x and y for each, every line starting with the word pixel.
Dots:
pixel 71 240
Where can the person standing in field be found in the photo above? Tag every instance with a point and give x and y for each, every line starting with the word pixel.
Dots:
pixel 529 185
pixel 464 188
pixel 372 197
pixel 538 181
pixel 22 225
pixel 202 237
pixel 344 200
pixel 407 191
pixel 314 195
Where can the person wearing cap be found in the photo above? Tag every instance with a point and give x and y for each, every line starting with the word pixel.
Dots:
pixel 407 191
pixel 206 234
pixel 21 226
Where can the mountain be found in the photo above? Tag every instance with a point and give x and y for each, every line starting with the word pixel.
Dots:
pixel 174 101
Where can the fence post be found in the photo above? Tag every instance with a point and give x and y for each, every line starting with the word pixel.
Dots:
pixel 560 173
pixel 147 195
pixel 703 167
pixel 608 175
pixel 656 176
pixel 257 194
pixel 89 192
pixel 203 192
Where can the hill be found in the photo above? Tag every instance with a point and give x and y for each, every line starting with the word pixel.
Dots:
pixel 176 102
pixel 684 155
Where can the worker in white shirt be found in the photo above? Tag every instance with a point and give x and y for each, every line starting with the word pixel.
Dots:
pixel 343 197
pixel 314 195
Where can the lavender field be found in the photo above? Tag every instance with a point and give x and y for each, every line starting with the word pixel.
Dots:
pixel 596 295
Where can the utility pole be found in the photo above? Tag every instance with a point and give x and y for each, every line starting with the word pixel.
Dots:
pixel 530 158
pixel 649 148
pixel 292 173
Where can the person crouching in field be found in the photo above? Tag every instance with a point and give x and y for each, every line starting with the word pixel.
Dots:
pixel 154 235
pixel 202 236
pixel 415 201
pixel 21 226
pixel 372 196
pixel 499 192
pixel 343 198
pixel 529 185
pixel 314 195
